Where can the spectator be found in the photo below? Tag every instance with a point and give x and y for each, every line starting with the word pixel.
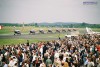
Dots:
pixel 48 62
pixel 78 51
pixel 5 64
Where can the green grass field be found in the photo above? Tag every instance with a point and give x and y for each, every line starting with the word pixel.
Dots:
pixel 32 38
pixel 36 38
pixel 15 41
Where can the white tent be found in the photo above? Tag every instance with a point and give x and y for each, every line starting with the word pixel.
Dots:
pixel 0 27
pixel 70 35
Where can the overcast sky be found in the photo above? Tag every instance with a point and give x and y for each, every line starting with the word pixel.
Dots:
pixel 28 11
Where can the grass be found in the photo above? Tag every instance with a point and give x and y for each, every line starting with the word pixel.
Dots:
pixel 32 38
pixel 15 41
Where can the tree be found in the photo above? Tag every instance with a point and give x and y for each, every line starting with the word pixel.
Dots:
pixel 36 24
pixel 84 24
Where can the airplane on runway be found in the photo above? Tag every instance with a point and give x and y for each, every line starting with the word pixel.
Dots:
pixel 49 31
pixel 90 31
pixel 17 32
pixel 32 32
pixel 41 31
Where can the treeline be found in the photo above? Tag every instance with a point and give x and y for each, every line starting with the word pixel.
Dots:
pixel 75 25
pixel 15 24
pixel 10 24
pixel 64 25
pixel 83 25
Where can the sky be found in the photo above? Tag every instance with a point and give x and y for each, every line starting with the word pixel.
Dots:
pixel 28 11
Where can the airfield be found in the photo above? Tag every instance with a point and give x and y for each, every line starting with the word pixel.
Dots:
pixel 48 36
pixel 39 36
pixel 7 36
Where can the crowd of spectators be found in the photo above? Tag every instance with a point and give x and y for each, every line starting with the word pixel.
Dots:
pixel 80 51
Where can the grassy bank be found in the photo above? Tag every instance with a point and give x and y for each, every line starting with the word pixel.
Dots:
pixel 16 41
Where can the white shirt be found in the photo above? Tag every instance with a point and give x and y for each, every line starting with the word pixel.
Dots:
pixel 0 58
pixel 23 55
pixel 56 55
pixel 41 50
pixel 42 65
pixel 6 54
pixel 34 58
pixel 68 53
pixel 5 65
pixel 11 63
pixel 26 65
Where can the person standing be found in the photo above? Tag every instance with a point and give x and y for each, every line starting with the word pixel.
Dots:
pixel 48 62
pixel 90 63
pixel 27 42
pixel 5 64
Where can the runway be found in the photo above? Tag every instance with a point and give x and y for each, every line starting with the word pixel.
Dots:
pixel 49 36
